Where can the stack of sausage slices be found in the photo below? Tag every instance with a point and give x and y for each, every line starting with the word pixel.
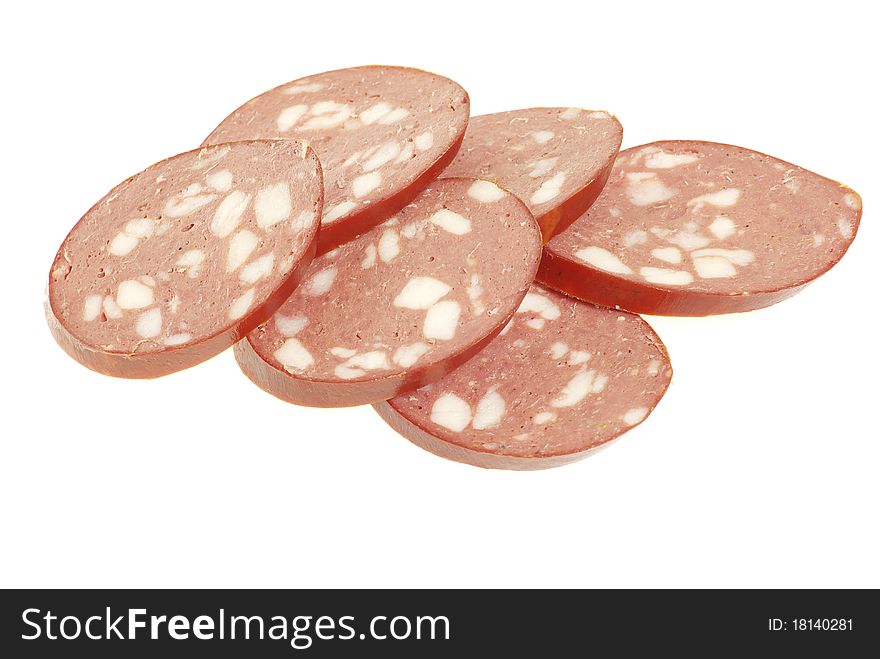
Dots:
pixel 360 240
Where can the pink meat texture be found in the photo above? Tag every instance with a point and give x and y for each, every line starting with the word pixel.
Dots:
pixel 696 228
pixel 555 159
pixel 178 262
pixel 562 379
pixel 382 134
pixel 402 305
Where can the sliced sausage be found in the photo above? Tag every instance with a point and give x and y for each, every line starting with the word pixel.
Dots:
pixel 562 379
pixel 382 133
pixel 403 304
pixel 555 159
pixel 180 261
pixel 696 228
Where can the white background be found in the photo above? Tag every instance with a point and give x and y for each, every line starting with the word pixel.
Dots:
pixel 759 468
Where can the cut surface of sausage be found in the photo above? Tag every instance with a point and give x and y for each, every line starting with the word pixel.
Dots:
pixel 697 228
pixel 382 134
pixel 555 159
pixel 562 379
pixel 180 261
pixel 403 304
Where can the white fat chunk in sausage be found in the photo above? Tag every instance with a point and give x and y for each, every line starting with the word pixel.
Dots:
pixel 575 390
pixel 713 267
pixel 635 237
pixel 406 153
pixel 342 353
pixel 666 277
pixel 133 294
pixel 543 167
pixel 406 356
pixel 549 189
pixel 304 88
pixel 844 228
pixel 273 204
pixel 722 198
pixel 358 365
pixel 140 228
pixel 92 307
pixel 601 258
pixel 241 304
pixel 370 361
pixel 340 209
pixel 543 136
pixel 389 245
pixel 421 293
pixel 292 355
pixel 558 350
pixel 635 415
pixel 688 240
pixel 111 309
pixel 209 155
pixel 369 259
pixel 290 325
pixel 257 269
pixel 177 339
pixel 668 254
pixel 578 357
pixel 536 323
pixel 127 239
pixel 539 304
pixel 149 323
pixel 220 181
pixel 451 221
pixel 645 189
pixel 424 141
pixel 570 113
pixel 324 121
pixel 229 213
pixel 852 201
pixel 352 159
pixel 191 257
pixel 303 221
pixel 490 411
pixel 451 412
pixel 240 247
pixel 190 262
pixel 320 282
pixel 737 256
pixel 394 116
pixel 542 418
pixel 344 372
pixel 365 184
pixel 289 116
pixel 663 160
pixel 374 113
pixel 385 154
pixel 188 201
pixel 327 107
pixel 122 244
pixel 441 321
pixel 486 192
pixel 475 293
pixel 722 227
